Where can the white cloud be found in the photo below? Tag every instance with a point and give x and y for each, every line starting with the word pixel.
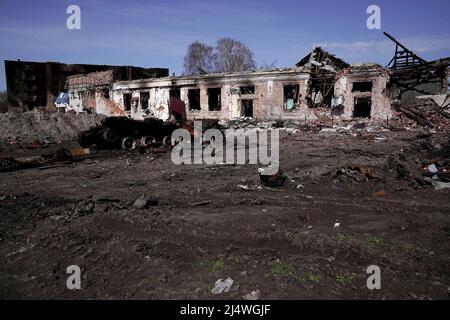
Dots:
pixel 362 50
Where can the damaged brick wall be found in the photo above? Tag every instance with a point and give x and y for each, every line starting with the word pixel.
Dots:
pixel 264 101
pixel 366 83
pixel 37 84
pixel 106 106
pixel 266 95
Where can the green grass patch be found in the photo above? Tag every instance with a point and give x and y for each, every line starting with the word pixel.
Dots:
pixel 345 279
pixel 378 243
pixel 217 266
pixel 211 266
pixel 287 269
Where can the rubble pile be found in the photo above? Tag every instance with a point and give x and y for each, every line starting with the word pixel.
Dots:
pixel 288 126
pixel 38 127
pixel 422 113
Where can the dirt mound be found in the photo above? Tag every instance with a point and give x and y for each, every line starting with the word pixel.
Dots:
pixel 31 126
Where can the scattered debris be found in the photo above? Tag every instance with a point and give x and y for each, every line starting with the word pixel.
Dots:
pixel 125 133
pixel 201 203
pixel 248 188
pixel 379 194
pixel 84 208
pixel 243 187
pixel 60 155
pixel 438 185
pixel 432 168
pixel 145 201
pixel 222 286
pixel 254 295
pixel 276 180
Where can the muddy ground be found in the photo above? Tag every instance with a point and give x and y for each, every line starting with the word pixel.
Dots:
pixel 204 227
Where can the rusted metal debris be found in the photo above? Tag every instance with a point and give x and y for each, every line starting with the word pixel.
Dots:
pixel 125 133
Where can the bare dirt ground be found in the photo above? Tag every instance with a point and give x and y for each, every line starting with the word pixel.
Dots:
pixel 204 227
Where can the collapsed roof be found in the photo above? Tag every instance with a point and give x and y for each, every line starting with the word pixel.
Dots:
pixel 320 59
pixel 403 57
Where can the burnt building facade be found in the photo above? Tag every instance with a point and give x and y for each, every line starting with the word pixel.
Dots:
pixel 358 91
pixel 260 95
pixel 33 85
pixel 320 85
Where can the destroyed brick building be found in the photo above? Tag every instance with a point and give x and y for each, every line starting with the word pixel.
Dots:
pixel 91 93
pixel 33 85
pixel 320 85
pixel 219 96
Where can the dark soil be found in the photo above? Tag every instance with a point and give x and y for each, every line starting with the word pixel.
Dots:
pixel 203 227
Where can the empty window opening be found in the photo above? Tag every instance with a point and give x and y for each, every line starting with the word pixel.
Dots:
pixel 362 108
pixel 247 108
pixel 291 97
pixel 320 93
pixel 247 90
pixel 175 93
pixel 144 96
pixel 135 103
pixel 194 99
pixel 127 101
pixel 365 86
pixel 106 93
pixel 337 110
pixel 214 99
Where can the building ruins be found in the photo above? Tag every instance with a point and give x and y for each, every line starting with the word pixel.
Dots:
pixel 320 85
pixel 36 85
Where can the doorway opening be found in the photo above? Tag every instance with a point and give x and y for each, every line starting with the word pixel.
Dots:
pixel 362 107
pixel 247 108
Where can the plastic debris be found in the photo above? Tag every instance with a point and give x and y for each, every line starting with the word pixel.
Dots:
pixel 145 201
pixel 432 168
pixel 243 187
pixel 254 295
pixel 222 286
pixel 438 185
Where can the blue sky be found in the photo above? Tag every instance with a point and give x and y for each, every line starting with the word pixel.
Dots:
pixel 156 33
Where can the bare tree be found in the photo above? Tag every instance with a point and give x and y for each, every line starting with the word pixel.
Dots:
pixel 229 55
pixel 198 59
pixel 266 66
pixel 233 56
